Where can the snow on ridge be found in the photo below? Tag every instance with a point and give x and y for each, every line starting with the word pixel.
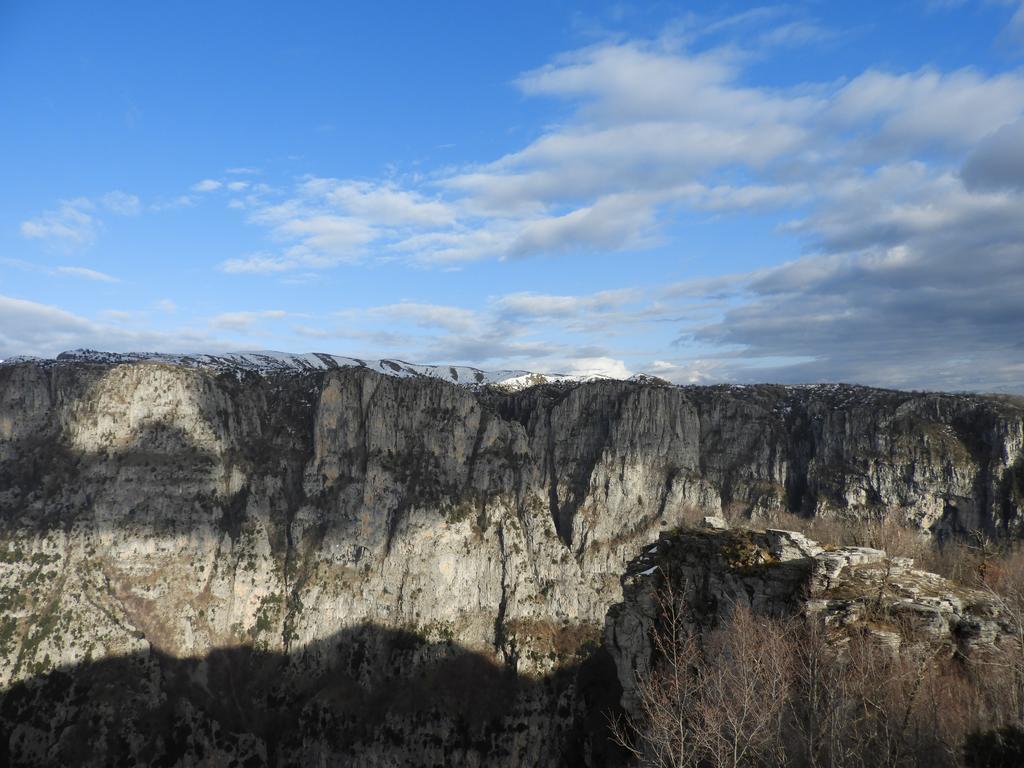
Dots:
pixel 267 362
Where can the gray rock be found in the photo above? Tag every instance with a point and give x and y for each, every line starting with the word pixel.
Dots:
pixel 781 573
pixel 346 520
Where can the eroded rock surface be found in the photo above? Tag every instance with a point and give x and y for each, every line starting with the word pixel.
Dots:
pixel 161 514
pixel 708 573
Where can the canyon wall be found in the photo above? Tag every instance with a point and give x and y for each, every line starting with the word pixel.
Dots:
pixel 346 567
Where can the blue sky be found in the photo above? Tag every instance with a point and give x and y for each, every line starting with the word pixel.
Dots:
pixel 709 192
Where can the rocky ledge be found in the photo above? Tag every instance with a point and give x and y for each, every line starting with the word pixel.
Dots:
pixel 711 571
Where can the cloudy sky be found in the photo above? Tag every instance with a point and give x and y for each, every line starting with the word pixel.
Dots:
pixel 816 191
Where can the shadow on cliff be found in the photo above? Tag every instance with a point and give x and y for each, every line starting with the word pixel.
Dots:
pixel 49 483
pixel 365 692
pixel 791 451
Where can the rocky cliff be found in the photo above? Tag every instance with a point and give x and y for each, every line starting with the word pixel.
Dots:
pixel 852 591
pixel 335 565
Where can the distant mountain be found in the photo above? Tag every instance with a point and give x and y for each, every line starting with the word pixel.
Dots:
pixel 266 361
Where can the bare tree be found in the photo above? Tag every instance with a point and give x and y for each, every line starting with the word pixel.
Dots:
pixel 764 692
pixel 816 699
pixel 1004 583
pixel 744 683
pixel 666 694
pixel 715 701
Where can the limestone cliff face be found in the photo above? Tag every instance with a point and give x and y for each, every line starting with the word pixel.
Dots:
pixel 322 539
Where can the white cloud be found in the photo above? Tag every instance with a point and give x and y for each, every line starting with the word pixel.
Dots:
pixel 72 225
pixel 258 263
pixel 459 245
pixel 598 366
pixel 688 371
pixel 652 130
pixel 246 320
pixel 512 331
pixel 611 223
pixel 337 238
pixel 453 319
pixel 539 305
pixel 625 82
pixel 905 188
pixel 955 109
pixel 88 274
pixel 379 204
pixel 704 287
pixel 649 128
pixel 181 201
pixel 121 203
pixel 118 314
pixel 207 185
pixel 329 221
pixel 796 34
pixel 30 328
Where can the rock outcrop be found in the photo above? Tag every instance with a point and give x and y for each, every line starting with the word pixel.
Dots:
pixel 155 515
pixel 709 573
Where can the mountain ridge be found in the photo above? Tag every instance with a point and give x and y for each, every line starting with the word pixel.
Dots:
pixel 270 361
pixel 151 509
pixel 266 362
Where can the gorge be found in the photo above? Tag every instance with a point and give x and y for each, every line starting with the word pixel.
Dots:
pixel 264 561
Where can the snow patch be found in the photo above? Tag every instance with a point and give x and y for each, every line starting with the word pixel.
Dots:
pixel 269 362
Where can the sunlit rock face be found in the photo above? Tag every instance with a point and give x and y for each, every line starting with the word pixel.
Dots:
pixel 346 566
